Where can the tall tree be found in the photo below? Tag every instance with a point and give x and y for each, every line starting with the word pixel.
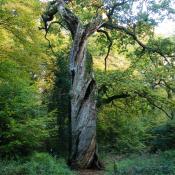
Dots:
pixel 127 17
pixel 22 65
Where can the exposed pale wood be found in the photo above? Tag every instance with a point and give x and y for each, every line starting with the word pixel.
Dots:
pixel 83 90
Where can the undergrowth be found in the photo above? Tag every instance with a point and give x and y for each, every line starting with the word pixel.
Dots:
pixel 38 164
pixel 162 163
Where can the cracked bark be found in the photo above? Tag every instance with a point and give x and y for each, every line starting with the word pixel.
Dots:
pixel 83 106
pixel 83 90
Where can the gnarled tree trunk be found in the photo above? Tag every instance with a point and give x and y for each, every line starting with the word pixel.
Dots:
pixel 83 89
pixel 83 104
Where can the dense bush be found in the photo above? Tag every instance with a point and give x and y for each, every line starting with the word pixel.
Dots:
pixel 163 137
pixel 39 163
pixel 22 112
pixel 58 100
pixel 123 128
pixel 22 115
pixel 158 164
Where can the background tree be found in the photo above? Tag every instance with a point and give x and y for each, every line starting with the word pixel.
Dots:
pixel 23 116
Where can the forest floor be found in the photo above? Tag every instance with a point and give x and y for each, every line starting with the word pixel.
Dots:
pixel 162 163
pixel 143 164
pixel 90 172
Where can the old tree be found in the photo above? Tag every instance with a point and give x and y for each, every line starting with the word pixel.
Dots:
pixel 132 18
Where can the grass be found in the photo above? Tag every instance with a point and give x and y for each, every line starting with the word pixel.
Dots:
pixel 162 163
pixel 148 164
pixel 38 164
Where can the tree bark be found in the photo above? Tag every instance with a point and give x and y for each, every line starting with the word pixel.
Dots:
pixel 83 90
pixel 83 104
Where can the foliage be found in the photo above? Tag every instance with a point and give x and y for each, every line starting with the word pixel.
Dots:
pixel 39 163
pixel 23 116
pixel 124 127
pixel 163 137
pixel 124 124
pixel 161 163
pixel 58 100
pixel 20 38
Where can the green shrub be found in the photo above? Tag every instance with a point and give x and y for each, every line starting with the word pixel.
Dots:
pixel 163 137
pixel 121 131
pixel 23 117
pixel 38 164
pixel 156 164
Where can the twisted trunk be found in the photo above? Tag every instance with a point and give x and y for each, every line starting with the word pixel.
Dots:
pixel 83 90
pixel 83 104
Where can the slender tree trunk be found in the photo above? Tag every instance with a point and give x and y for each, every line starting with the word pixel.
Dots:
pixel 83 104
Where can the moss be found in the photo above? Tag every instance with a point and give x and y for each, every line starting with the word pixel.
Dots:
pixel 88 63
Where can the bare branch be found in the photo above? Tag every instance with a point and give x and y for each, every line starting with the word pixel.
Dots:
pixel 47 30
pixel 109 46
pixel 110 99
pixel 58 6
pixel 111 12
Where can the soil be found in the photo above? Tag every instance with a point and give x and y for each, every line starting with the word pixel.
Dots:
pixel 90 172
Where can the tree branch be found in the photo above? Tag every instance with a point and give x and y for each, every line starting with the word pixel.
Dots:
pixel 108 100
pixel 47 30
pixel 111 12
pixel 143 94
pixel 111 26
pixel 109 46
pixel 59 6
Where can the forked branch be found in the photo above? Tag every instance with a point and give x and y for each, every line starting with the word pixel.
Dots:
pixel 59 6
pixel 111 12
pixel 111 26
pixel 125 95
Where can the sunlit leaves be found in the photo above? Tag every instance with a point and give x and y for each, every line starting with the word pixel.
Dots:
pixel 21 39
pixel 86 10
pixel 22 56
